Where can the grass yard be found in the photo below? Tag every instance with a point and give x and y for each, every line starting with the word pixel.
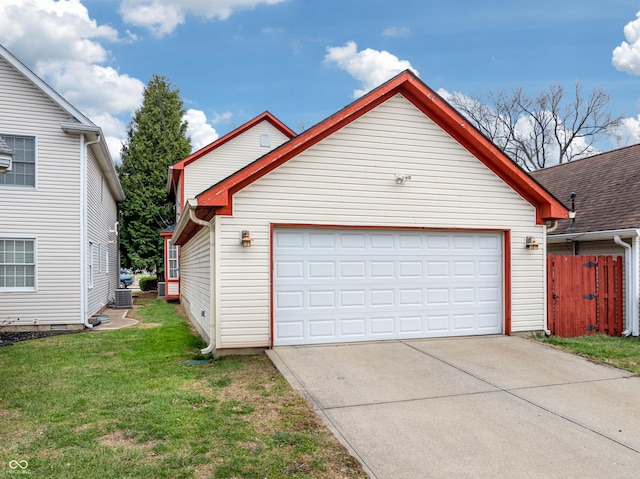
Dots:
pixel 123 404
pixel 623 353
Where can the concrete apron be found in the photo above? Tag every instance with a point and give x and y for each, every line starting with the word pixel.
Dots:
pixel 491 406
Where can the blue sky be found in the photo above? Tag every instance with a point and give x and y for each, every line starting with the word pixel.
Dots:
pixel 303 60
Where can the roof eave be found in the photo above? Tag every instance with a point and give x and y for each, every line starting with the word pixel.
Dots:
pixel 100 149
pixel 593 235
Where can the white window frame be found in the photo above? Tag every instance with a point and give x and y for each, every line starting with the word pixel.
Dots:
pixel 90 264
pixel 99 257
pixel 34 265
pixel 8 137
pixel 106 259
pixel 173 253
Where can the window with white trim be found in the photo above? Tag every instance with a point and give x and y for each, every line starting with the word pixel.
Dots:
pixel 174 271
pixel 17 264
pixel 23 168
pixel 99 257
pixel 90 263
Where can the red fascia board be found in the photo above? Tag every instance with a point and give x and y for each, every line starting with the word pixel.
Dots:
pixel 220 194
pixel 434 107
pixel 266 116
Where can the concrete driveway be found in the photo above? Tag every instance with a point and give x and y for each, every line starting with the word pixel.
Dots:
pixel 492 406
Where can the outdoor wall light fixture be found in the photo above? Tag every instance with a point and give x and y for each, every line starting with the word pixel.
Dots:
pixel 531 243
pixel 402 179
pixel 246 238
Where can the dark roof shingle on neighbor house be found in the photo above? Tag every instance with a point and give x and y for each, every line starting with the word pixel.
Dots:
pixel 607 188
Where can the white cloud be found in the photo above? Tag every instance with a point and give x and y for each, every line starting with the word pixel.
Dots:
pixel 37 29
pixel 62 44
pixel 628 133
pixel 114 130
pixel 162 17
pixel 370 67
pixel 626 57
pixel 93 88
pixel 221 117
pixel 396 32
pixel 201 132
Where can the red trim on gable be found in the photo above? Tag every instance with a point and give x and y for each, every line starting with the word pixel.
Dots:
pixel 177 168
pixel 434 107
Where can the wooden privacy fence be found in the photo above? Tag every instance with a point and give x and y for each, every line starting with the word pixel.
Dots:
pixel 584 295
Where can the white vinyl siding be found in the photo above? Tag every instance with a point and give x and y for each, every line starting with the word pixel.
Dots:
pixel 50 212
pixel 229 158
pixel 349 179
pixel 17 264
pixel 195 281
pixel 102 213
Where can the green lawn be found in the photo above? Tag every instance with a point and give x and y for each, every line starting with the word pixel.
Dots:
pixel 123 404
pixel 623 353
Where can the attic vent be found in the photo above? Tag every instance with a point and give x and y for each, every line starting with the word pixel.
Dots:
pixel 123 299
pixel 265 139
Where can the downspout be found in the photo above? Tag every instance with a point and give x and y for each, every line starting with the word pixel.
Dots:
pixel 84 227
pixel 635 327
pixel 629 284
pixel 550 229
pixel 211 348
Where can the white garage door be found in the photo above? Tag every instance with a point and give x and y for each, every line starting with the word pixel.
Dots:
pixel 360 285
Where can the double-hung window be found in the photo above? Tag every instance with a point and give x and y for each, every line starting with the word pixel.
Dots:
pixel 23 168
pixel 17 264
pixel 174 272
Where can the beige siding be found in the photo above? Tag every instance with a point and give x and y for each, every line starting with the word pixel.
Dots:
pixel 349 179
pixel 587 248
pixel 172 288
pixel 102 213
pixel 229 158
pixel 50 212
pixel 195 281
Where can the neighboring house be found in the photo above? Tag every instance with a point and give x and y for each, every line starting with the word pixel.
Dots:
pixel 58 208
pixel 607 213
pixel 213 163
pixel 392 219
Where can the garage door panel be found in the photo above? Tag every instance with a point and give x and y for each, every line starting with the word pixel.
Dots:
pixel 338 285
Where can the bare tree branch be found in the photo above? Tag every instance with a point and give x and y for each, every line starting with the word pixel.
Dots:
pixel 553 128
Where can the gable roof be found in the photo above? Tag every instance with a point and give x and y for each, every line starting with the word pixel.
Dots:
pixel 77 124
pixel 606 188
pixel 175 170
pixel 218 198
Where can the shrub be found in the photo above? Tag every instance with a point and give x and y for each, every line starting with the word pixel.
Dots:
pixel 148 283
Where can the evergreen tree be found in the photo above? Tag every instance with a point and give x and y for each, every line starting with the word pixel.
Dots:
pixel 156 139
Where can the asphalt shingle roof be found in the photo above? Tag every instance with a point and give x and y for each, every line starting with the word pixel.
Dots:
pixel 607 188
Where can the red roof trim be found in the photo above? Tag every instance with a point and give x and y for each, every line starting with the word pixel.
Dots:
pixel 433 106
pixel 176 169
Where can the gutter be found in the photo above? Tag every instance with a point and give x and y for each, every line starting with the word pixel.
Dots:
pixel 211 348
pixel 592 235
